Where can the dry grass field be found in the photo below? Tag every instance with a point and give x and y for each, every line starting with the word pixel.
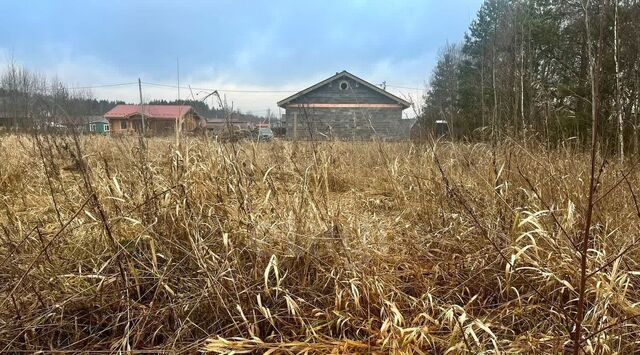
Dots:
pixel 311 248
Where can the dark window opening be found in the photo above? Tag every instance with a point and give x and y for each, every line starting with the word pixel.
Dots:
pixel 344 85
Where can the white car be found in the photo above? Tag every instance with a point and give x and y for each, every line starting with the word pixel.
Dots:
pixel 265 134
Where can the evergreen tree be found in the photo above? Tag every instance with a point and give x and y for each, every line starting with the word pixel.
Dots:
pixel 523 69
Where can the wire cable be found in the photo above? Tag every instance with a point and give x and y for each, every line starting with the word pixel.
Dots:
pixel 405 87
pixel 97 86
pixel 219 90
pixel 101 86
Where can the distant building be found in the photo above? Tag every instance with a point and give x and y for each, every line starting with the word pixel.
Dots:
pixel 97 124
pixel 441 128
pixel 158 119
pixel 216 125
pixel 346 107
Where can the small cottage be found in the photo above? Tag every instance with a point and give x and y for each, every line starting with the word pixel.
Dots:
pixel 345 107
pixel 158 119
pixel 97 124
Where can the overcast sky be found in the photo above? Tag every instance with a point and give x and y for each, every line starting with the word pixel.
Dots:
pixel 235 45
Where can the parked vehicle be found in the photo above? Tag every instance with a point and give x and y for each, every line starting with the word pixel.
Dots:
pixel 265 134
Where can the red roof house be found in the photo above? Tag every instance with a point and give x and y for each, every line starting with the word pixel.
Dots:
pixel 158 119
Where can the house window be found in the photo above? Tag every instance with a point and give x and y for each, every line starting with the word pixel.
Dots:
pixel 92 127
pixel 123 124
pixel 344 85
pixel 106 127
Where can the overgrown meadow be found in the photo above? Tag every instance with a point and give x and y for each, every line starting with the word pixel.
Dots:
pixel 117 244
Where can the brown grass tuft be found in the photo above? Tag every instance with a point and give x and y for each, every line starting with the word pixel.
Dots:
pixel 299 248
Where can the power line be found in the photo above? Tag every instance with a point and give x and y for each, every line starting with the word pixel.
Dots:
pixel 97 86
pixel 405 87
pixel 176 86
pixel 101 86
pixel 220 90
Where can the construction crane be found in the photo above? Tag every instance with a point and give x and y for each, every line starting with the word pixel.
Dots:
pixel 214 92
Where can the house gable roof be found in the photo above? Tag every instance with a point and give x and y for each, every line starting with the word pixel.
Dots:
pixel 96 119
pixel 222 120
pixel 150 111
pixel 405 104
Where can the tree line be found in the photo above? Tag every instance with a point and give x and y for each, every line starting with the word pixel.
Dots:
pixel 29 99
pixel 522 70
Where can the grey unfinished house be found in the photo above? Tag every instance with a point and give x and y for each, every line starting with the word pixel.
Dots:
pixel 344 107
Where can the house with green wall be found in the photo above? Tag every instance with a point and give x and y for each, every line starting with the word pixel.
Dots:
pixel 98 124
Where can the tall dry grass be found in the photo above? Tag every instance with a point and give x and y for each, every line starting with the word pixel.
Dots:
pixel 111 245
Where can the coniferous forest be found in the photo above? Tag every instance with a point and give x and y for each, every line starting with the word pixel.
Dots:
pixel 523 69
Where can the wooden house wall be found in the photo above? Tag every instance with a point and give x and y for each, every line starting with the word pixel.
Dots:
pixel 99 127
pixel 358 112
pixel 153 126
pixel 115 126
pixel 344 123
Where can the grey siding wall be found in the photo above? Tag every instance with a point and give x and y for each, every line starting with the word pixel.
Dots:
pixel 344 123
pixel 319 118
pixel 354 94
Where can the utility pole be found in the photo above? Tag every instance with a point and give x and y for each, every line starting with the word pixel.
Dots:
pixel 179 104
pixel 141 106
pixel 178 72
